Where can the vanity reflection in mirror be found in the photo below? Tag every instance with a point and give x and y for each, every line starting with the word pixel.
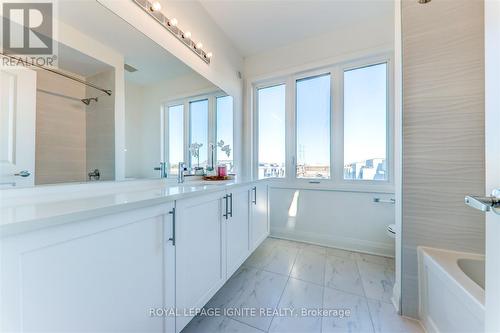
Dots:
pixel 117 106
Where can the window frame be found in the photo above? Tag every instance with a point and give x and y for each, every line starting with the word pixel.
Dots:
pixel 209 128
pixel 389 148
pixel 336 180
pixel 255 124
pixel 212 123
pixel 165 115
pixel 216 96
pixel 311 75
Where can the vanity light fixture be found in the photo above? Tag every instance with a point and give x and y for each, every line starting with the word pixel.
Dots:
pixel 173 22
pixel 155 6
pixel 153 9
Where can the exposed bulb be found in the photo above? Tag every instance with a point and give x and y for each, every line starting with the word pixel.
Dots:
pixel 187 35
pixel 199 46
pixel 209 55
pixel 155 6
pixel 173 22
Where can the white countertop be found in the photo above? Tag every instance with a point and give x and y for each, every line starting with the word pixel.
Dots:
pixel 23 210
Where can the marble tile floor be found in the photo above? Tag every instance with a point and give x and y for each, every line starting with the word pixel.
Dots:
pixel 282 275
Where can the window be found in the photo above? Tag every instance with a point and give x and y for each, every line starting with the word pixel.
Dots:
pixel 328 140
pixel 224 128
pixel 198 133
pixel 313 127
pixel 271 131
pixel 175 137
pixel 365 123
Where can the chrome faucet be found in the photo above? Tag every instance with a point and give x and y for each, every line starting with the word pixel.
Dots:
pixel 163 169
pixel 180 175
pixel 95 175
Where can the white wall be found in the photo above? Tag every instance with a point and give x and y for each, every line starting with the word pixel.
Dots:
pixel 341 219
pixel 226 62
pixel 340 44
pixel 134 99
pixel 143 105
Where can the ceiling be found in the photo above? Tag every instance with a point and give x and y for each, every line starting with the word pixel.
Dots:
pixel 256 26
pixel 153 62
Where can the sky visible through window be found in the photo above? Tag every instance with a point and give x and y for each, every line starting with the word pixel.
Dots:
pixel 271 131
pixel 176 137
pixel 365 122
pixel 224 107
pixel 313 127
pixel 199 130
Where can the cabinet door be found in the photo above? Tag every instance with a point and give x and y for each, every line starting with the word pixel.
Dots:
pixel 99 275
pixel 198 249
pixel 169 267
pixel 259 227
pixel 237 233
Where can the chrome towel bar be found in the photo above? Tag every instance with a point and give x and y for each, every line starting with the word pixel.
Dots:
pixel 379 200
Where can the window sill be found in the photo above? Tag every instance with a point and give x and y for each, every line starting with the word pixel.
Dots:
pixel 328 185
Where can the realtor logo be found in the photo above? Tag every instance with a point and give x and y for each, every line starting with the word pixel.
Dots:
pixel 27 28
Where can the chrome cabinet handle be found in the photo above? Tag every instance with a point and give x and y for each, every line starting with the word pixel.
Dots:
pixel 254 201
pixel 172 239
pixel 230 205
pixel 23 173
pixel 226 214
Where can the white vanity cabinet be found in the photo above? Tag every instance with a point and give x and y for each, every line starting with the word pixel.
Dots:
pixel 119 270
pixel 212 240
pixel 259 219
pixel 97 275
pixel 198 253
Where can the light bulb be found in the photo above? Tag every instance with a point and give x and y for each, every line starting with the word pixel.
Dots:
pixel 155 6
pixel 187 35
pixel 209 55
pixel 173 22
pixel 199 46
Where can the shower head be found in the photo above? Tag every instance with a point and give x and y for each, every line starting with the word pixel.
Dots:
pixel 87 101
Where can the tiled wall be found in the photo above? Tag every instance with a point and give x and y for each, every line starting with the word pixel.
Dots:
pixel 60 130
pixel 443 131
pixel 100 131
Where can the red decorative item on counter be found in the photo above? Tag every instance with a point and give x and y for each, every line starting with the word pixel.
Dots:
pixel 222 171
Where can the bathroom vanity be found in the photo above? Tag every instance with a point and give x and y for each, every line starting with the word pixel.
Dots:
pixel 122 256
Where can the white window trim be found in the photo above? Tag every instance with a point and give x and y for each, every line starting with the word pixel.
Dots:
pixel 336 180
pixel 185 101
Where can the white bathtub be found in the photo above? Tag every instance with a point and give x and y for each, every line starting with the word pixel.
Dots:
pixel 451 290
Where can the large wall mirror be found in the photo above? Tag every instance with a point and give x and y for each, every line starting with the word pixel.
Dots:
pixel 158 111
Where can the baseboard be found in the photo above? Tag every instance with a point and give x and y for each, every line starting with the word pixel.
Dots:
pixel 345 243
pixel 258 242
pixel 396 297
